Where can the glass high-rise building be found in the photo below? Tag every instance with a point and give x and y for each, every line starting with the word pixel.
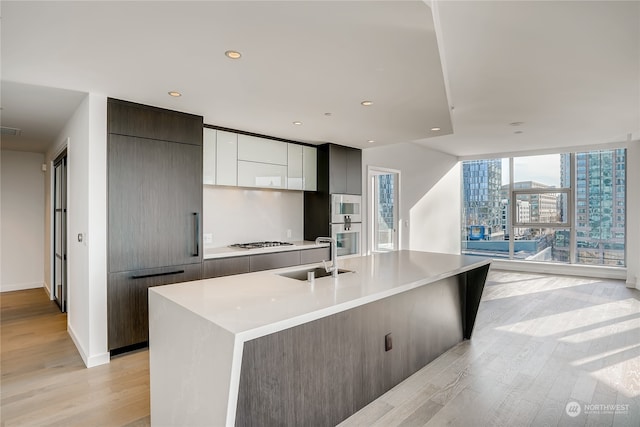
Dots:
pixel 481 183
pixel 385 200
pixel 600 195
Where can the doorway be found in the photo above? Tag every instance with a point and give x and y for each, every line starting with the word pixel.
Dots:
pixel 384 190
pixel 60 230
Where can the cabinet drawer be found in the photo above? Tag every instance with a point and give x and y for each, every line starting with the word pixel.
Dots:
pixel 310 256
pixel 128 304
pixel 225 267
pixel 276 260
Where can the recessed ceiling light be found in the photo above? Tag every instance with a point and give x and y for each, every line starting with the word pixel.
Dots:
pixel 367 103
pixel 516 123
pixel 435 129
pixel 371 141
pixel 518 131
pixel 297 123
pixel 175 94
pixel 327 114
pixel 233 54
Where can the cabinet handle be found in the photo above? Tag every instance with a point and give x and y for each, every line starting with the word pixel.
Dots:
pixel 168 273
pixel 196 234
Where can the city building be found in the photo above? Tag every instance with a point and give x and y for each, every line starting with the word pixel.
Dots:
pixel 523 214
pixel 481 197
pixel 543 207
pixel 385 203
pixel 600 194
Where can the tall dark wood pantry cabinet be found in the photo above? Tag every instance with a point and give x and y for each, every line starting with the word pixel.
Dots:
pixel 339 172
pixel 154 210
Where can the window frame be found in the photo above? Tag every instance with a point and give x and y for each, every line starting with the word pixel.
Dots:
pixel 530 191
pixel 577 164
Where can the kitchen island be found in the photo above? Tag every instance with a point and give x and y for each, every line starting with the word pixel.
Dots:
pixel 266 349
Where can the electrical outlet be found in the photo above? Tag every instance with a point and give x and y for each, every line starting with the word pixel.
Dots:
pixel 288 234
pixel 208 238
pixel 388 343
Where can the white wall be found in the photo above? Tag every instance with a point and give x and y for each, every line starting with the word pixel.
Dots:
pixel 429 195
pixel 85 135
pixel 238 215
pixel 633 214
pixel 22 209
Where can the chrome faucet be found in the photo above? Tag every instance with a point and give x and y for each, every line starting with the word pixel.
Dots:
pixel 333 255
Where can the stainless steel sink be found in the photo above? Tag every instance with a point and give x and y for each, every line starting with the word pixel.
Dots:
pixel 318 272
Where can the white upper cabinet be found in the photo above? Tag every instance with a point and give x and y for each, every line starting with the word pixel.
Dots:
pixel 263 175
pixel 209 156
pixel 294 167
pixel 234 159
pixel 254 149
pixel 309 168
pixel 226 158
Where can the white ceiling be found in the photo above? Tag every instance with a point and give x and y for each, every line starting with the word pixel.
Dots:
pixel 569 70
pixel 39 112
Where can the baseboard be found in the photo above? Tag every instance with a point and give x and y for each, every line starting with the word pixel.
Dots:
pixel 616 273
pixel 21 286
pixel 89 361
pixel 48 291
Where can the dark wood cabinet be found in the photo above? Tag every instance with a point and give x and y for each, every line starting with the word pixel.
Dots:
pixel 337 169
pixel 219 267
pixel 274 260
pixel 341 360
pixel 345 170
pixel 310 256
pixel 339 172
pixel 144 121
pixel 354 171
pixel 225 266
pixel 154 210
pixel 128 305
pixel 155 200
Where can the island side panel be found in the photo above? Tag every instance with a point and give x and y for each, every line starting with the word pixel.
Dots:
pixel 321 372
pixel 471 287
pixel 190 364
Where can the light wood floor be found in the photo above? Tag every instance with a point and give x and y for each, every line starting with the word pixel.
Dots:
pixel 45 382
pixel 540 342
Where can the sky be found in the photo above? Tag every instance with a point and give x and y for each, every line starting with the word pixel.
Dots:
pixel 544 169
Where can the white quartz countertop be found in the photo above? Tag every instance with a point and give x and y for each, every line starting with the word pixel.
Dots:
pixel 226 252
pixel 256 304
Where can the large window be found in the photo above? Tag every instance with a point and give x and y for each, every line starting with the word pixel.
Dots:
pixel 484 213
pixel 567 208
